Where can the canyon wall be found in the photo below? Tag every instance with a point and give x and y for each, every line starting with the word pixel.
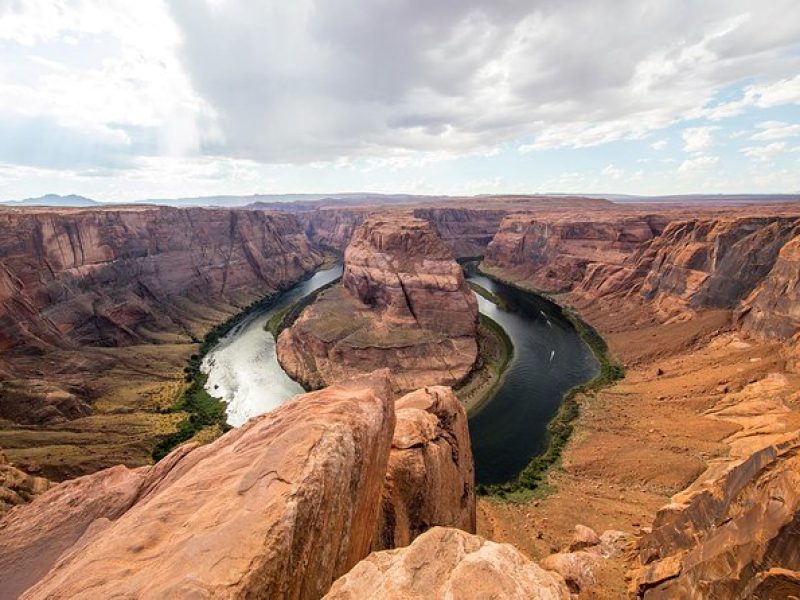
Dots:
pixel 556 253
pixel 130 276
pixel 466 231
pixel 403 304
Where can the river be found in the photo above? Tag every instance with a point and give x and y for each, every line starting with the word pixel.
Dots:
pixel 549 358
pixel 243 368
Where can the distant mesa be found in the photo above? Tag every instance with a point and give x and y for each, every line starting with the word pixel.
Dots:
pixel 55 200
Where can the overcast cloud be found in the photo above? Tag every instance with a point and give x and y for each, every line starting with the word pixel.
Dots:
pixel 354 91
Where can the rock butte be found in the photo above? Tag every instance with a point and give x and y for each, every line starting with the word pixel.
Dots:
pixel 430 479
pixel 699 302
pixel 403 304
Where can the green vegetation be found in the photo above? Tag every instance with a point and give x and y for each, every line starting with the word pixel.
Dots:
pixel 495 351
pixel 287 316
pixel 490 296
pixel 203 411
pixel 531 482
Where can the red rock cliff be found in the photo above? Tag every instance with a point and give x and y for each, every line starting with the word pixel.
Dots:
pixel 403 304
pixel 119 277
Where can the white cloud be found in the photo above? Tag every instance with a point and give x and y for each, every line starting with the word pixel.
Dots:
pixel 659 145
pixel 700 163
pixel 764 153
pixel 371 79
pixel 776 130
pixel 613 172
pixel 698 139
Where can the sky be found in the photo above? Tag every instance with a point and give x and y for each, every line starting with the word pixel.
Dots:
pixel 120 100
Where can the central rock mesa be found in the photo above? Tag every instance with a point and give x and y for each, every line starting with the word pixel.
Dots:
pixel 403 304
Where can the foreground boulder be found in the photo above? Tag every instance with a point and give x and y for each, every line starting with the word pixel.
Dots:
pixel 448 563
pixel 278 508
pixel 430 479
pixel 403 304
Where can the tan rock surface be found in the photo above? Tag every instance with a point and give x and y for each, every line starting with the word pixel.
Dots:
pixel 430 478
pixel 16 486
pixel 277 508
pixel 449 563
pixel 403 304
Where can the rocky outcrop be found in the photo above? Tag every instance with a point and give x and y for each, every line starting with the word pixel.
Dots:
pixel 403 304
pixel 430 479
pixel 119 277
pixel 17 487
pixel 448 563
pixel 557 253
pixel 466 231
pixel 773 309
pixel 711 263
pixel 732 536
pixel 278 508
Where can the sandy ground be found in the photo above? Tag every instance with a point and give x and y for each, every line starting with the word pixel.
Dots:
pixel 695 395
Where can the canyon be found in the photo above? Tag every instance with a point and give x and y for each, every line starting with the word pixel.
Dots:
pixel 688 465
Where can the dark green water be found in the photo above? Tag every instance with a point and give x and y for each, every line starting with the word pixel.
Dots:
pixel 549 359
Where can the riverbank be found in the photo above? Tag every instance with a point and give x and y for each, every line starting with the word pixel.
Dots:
pixel 531 479
pixel 205 415
pixel 495 353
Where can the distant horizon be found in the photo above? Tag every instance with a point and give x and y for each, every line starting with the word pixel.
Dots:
pixel 289 197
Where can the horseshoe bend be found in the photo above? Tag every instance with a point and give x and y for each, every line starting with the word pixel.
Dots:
pixel 645 484
pixel 396 300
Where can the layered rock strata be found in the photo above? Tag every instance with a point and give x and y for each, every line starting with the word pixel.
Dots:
pixel 733 536
pixel 557 253
pixel 129 276
pixel 17 487
pixel 430 479
pixel 403 304
pixel 466 231
pixel 278 508
pixel 448 563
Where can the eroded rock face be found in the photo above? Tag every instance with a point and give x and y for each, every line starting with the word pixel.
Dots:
pixel 730 536
pixel 773 309
pixel 16 486
pixel 118 277
pixel 430 479
pixel 448 563
pixel 403 304
pixel 278 508
pixel 334 227
pixel 558 253
pixel 400 268
pixel 712 263
pixel 467 232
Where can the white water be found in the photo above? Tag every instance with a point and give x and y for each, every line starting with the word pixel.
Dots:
pixel 243 369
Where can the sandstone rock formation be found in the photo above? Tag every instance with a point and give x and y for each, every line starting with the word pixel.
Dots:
pixel 773 309
pixel 448 563
pixel 466 231
pixel 557 253
pixel 430 479
pixel 17 487
pixel 278 508
pixel 334 227
pixel 731 536
pixel 714 263
pixel 403 304
pixel 124 276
